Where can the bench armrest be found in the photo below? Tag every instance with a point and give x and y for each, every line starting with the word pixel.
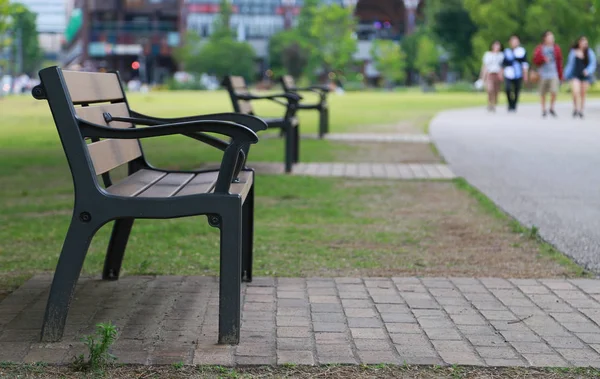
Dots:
pixel 291 98
pixel 252 122
pixel 233 156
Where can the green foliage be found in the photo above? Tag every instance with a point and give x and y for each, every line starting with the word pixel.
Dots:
pixel 332 31
pixel 427 58
pixel 389 60
pixel 563 16
pixel 24 21
pixel 221 55
pixel 409 46
pixel 453 28
pixel 98 345
pixel 288 54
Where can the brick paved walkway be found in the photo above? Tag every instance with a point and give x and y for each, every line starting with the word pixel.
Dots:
pixel 493 322
pixel 361 170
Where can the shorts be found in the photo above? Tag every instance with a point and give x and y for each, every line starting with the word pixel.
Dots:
pixel 584 78
pixel 549 85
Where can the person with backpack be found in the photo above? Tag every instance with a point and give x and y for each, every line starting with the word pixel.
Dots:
pixel 516 70
pixel 549 60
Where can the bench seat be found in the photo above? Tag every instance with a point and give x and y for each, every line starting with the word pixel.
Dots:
pixel 154 183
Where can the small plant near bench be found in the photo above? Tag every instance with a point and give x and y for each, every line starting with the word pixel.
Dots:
pixel 98 345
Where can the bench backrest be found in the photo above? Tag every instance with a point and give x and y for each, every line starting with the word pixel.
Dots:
pixel 87 95
pixel 288 83
pixel 236 85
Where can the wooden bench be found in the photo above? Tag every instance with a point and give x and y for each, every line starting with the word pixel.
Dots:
pixel 241 99
pixel 289 86
pixel 98 134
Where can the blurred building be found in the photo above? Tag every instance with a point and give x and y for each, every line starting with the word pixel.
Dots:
pixel 50 24
pixel 136 37
pixel 255 21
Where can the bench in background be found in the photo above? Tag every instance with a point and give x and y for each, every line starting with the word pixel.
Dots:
pixel 289 86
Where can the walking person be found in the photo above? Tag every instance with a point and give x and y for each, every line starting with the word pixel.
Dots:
pixel 548 57
pixel 581 65
pixel 491 73
pixel 515 71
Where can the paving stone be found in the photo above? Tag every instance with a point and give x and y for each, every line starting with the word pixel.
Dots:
pixel 432 360
pixel 171 355
pixel 460 358
pixel 328 317
pixel 300 357
pixel 545 360
pixel 322 291
pixel 443 334
pixel 387 299
pixel 468 319
pixel 324 308
pixel 331 338
pixel 377 357
pixel 493 362
pixel 255 361
pixel 293 332
pixel 294 343
pixel 329 326
pixel 336 359
pixel 579 354
pixel 479 330
pixel 363 322
pixel 392 308
pixel 397 317
pixel 410 340
pixel 359 312
pixel 486 340
pixel 498 352
pixel 373 344
pixel 405 328
pixel 591 338
pixel 368 333
pixel 356 303
pixel 292 321
pixel 290 295
pixel 518 336
pixel 331 350
pixel 564 342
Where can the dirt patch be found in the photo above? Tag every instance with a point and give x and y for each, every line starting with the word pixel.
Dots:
pixel 386 152
pixel 428 228
pixel 302 372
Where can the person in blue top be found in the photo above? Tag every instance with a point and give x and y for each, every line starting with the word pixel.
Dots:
pixel 580 68
pixel 515 71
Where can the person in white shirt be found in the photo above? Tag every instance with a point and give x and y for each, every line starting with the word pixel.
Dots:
pixel 491 73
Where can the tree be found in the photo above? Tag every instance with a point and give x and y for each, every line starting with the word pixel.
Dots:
pixel 409 46
pixel 452 26
pixel 333 34
pixel 24 23
pixel 389 60
pixel 221 55
pixel 288 54
pixel 4 27
pixel 427 58
pixel 562 15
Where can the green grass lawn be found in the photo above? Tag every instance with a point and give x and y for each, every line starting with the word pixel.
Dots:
pixel 305 226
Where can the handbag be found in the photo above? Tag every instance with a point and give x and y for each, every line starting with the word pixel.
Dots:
pixel 534 76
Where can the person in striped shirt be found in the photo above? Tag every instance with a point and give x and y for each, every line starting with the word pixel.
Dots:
pixel 516 71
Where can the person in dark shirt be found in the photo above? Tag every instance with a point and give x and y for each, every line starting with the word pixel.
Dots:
pixel 515 71
pixel 581 65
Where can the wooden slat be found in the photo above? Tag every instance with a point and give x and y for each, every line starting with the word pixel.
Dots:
pixel 93 87
pixel 168 186
pixel 243 186
pixel 202 183
pixel 94 113
pixel 245 107
pixel 238 82
pixel 112 153
pixel 289 81
pixel 134 184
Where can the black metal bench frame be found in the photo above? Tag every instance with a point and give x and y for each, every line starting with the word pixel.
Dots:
pixel 94 206
pixel 289 86
pixel 288 124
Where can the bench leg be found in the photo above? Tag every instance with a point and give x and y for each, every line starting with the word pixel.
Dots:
pixel 248 236
pixel 67 272
pixel 297 144
pixel 230 281
pixel 289 149
pixel 323 122
pixel 116 248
